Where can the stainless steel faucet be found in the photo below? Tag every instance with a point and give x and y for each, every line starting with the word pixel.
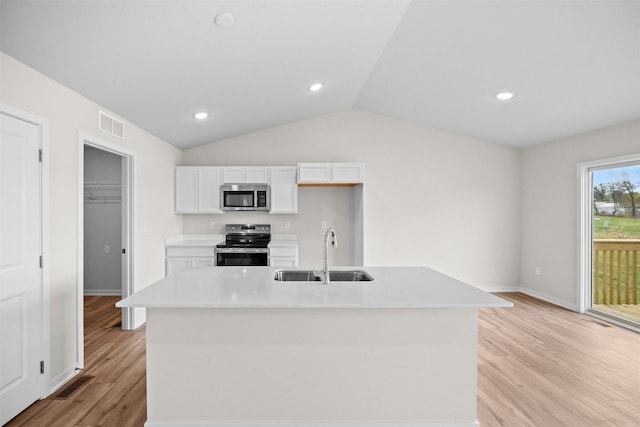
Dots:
pixel 331 233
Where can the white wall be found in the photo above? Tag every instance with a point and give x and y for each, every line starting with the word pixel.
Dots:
pixel 549 207
pixel 102 225
pixel 68 114
pixel 431 197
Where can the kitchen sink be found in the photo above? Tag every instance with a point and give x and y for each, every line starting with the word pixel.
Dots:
pixel 350 276
pixel 296 276
pixel 334 276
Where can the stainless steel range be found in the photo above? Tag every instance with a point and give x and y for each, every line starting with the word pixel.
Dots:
pixel 244 245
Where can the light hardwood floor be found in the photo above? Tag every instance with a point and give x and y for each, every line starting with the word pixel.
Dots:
pixel 539 365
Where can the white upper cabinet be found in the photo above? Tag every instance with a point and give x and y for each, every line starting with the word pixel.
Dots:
pixel 284 190
pixel 198 190
pixel 257 175
pixel 330 173
pixel 209 190
pixel 198 187
pixel 186 189
pixel 347 172
pixel 233 175
pixel 245 174
pixel 314 172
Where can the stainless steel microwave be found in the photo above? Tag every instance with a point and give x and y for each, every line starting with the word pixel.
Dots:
pixel 245 197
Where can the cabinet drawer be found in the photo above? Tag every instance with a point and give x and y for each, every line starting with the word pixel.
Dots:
pixel 203 262
pixel 191 252
pixel 288 251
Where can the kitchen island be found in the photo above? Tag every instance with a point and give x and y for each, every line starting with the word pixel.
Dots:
pixel 233 346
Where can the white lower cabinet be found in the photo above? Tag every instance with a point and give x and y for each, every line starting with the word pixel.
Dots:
pixel 284 256
pixel 183 257
pixel 180 258
pixel 174 264
pixel 203 262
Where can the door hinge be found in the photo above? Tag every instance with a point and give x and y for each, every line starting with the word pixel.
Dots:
pixel 40 155
pixel 42 366
pixel 41 262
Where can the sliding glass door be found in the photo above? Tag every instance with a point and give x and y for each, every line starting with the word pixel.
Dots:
pixel 615 241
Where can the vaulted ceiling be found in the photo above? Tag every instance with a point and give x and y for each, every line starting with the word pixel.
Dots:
pixel 574 66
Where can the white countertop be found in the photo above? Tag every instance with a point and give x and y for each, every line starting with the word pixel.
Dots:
pixel 255 287
pixel 193 240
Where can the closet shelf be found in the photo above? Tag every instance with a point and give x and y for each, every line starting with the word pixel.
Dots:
pixel 102 192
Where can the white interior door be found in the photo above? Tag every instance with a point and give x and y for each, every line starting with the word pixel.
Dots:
pixel 20 271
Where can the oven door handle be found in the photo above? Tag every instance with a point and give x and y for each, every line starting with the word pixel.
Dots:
pixel 242 250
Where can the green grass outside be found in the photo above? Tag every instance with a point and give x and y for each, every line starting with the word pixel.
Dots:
pixel 616 227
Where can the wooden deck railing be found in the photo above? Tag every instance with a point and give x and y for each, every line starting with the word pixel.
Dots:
pixel 616 268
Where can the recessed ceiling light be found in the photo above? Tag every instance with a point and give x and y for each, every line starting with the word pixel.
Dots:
pixel 201 115
pixel 505 96
pixel 316 87
pixel 224 20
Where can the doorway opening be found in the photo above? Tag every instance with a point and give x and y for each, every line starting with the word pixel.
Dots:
pixel 105 227
pixel 610 240
pixel 102 222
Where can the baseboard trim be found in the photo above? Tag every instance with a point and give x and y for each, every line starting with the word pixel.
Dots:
pixel 499 289
pixel 548 298
pixel 308 424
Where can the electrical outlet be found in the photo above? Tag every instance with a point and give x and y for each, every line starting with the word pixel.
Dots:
pixel 324 225
pixel 212 224
pixel 287 225
pixel 538 271
pixel 107 249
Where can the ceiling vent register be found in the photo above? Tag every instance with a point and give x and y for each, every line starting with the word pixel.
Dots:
pixel 110 124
